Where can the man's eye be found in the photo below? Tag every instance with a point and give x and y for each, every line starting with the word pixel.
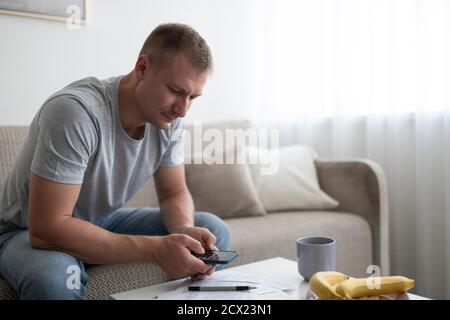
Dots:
pixel 175 91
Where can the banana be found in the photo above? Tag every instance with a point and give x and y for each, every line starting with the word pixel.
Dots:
pixel 365 287
pixel 331 285
pixel 324 283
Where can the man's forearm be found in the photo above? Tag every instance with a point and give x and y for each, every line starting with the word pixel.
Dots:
pixel 177 211
pixel 95 245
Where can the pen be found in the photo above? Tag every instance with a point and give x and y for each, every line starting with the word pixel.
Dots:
pixel 217 288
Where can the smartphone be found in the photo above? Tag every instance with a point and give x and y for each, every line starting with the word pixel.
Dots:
pixel 217 257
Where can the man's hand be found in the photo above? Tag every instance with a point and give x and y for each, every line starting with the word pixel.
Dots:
pixel 203 235
pixel 208 241
pixel 175 258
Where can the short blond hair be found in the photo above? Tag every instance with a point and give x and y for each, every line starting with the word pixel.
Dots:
pixel 169 39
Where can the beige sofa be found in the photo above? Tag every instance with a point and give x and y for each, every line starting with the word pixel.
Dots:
pixel 359 224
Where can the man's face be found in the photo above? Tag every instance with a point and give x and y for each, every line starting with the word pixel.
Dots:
pixel 166 94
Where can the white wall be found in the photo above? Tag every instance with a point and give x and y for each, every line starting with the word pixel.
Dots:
pixel 38 57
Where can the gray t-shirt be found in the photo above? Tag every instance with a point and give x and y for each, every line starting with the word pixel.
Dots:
pixel 77 138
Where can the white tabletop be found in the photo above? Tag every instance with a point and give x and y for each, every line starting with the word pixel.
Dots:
pixel 277 269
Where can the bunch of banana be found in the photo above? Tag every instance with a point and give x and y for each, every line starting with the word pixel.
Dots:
pixel 331 285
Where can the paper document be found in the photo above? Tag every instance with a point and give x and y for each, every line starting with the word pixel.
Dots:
pixel 227 278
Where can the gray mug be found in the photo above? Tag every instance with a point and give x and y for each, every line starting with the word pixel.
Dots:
pixel 315 254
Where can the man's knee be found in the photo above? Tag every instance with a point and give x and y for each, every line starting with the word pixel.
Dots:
pixel 41 274
pixel 216 226
pixel 54 278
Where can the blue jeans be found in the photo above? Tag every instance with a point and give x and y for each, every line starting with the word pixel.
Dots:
pixel 48 274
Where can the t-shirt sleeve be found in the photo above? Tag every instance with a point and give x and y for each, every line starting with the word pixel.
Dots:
pixel 67 138
pixel 174 155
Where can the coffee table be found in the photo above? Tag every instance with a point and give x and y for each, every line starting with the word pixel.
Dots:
pixel 277 269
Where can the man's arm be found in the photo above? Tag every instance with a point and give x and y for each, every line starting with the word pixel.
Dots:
pixel 53 227
pixel 177 210
pixel 177 207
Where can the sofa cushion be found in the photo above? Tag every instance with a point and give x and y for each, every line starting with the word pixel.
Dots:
pixel 286 179
pixel 274 235
pixel 6 291
pixel 227 190
pixel 105 280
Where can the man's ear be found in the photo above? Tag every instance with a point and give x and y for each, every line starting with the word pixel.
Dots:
pixel 141 66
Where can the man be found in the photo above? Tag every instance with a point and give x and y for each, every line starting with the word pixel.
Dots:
pixel 91 146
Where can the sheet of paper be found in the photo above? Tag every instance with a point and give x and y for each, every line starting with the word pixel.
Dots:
pixel 227 278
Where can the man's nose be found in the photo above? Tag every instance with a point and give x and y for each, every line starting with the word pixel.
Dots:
pixel 182 107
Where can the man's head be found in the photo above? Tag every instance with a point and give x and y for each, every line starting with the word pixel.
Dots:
pixel 172 68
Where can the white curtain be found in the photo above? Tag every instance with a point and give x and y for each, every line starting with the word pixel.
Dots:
pixel 369 78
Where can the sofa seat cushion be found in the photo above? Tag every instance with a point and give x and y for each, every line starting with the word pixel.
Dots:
pixel 105 280
pixel 259 238
pixel 6 292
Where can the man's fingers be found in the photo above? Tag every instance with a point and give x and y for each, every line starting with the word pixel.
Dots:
pixel 210 271
pixel 194 277
pixel 208 239
pixel 199 266
pixel 211 241
pixel 201 276
pixel 198 276
pixel 195 245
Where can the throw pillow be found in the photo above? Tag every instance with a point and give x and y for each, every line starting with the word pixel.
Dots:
pixel 286 179
pixel 226 190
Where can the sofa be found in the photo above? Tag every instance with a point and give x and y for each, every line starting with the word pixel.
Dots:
pixel 359 223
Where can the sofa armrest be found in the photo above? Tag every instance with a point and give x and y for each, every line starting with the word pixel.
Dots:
pixel 360 187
